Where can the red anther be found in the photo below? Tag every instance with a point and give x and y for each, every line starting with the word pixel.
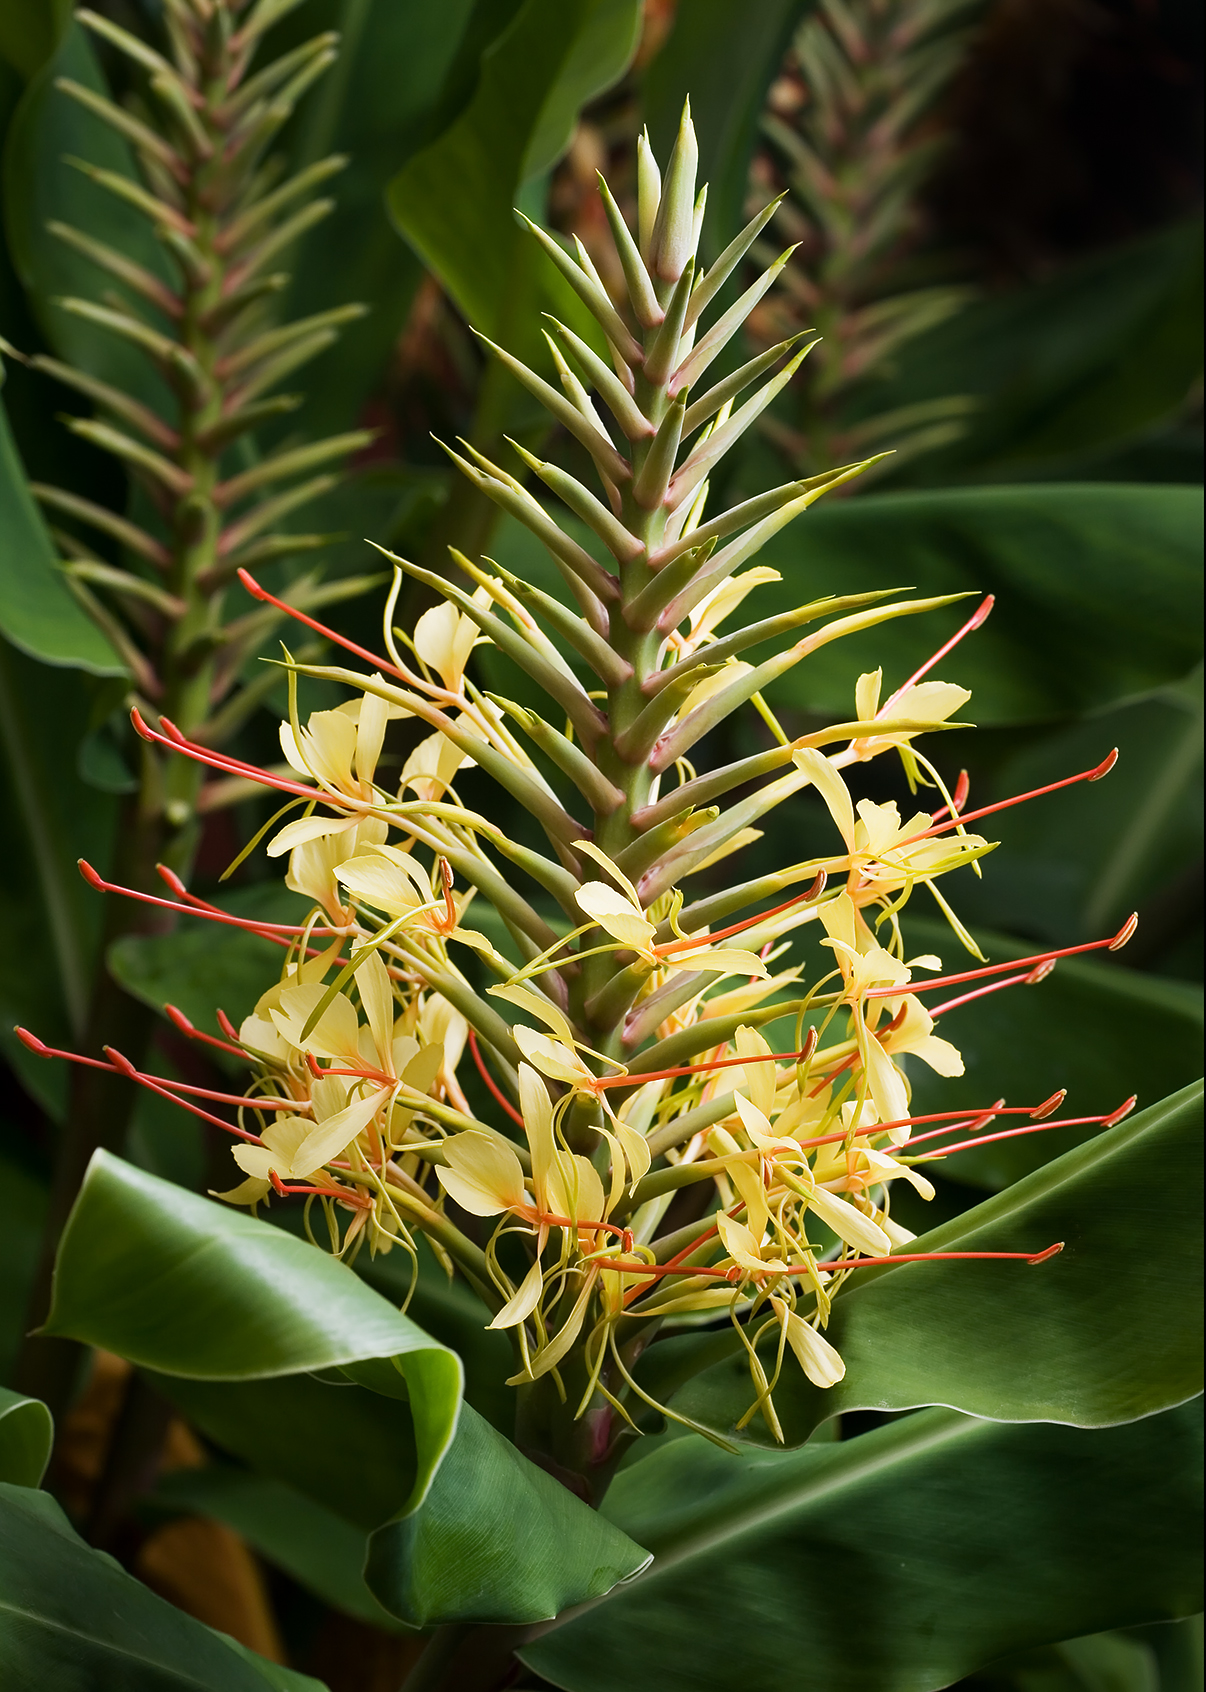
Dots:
pixel 1051 1251
pixel 1024 964
pixel 312 1063
pixel 811 1041
pixel 1040 972
pixel 1116 1116
pixel 277 1183
pixel 257 592
pixel 1125 932
pixel 491 1084
pixel 977 617
pixel 225 1024
pixel 962 789
pixel 178 1019
pixel 33 1043
pixel 91 876
pixel 1049 1106
pixel 1105 766
pixel 120 1062
pixel 173 880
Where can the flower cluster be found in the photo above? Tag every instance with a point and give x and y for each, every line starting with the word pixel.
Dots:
pixel 620 1034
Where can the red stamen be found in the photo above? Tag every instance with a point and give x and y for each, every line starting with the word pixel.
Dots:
pixel 1124 1109
pixel 817 888
pixel 1049 1106
pixel 225 1024
pixel 257 592
pixel 1014 1133
pixel 1095 774
pixel 450 917
pixel 1113 945
pixel 979 615
pixel 491 1084
pixel 638 1077
pixel 266 930
pixel 122 1066
pixel 178 1020
pixel 357 1201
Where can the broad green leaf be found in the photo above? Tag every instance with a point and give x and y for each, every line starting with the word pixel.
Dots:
pixel 893 1562
pixel 72 1617
pixel 320 1548
pixel 1102 1032
pixel 1068 370
pixel 453 201
pixel 497 1540
pixel 1103 1333
pixel 724 58
pixel 41 187
pixel 37 611
pixel 138 1252
pixel 26 1435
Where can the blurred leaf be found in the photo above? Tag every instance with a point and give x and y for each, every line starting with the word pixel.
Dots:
pixel 365 109
pixel 1101 1031
pixel 51 917
pixel 1072 866
pixel 26 1435
pixel 22 1213
pixel 322 1550
pixel 41 187
pixel 138 1253
pixel 453 201
pixel 894 1562
pixel 498 1540
pixel 30 31
pixel 1004 1340
pixel 1067 369
pixel 1098 593
pixel 72 1617
pixel 724 58
pixel 37 611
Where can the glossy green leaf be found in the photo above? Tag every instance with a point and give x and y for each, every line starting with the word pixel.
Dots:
pixel 72 1617
pixel 137 1252
pixel 894 1562
pixel 26 1435
pixel 318 1547
pixel 37 611
pixel 453 201
pixel 40 187
pixel 1005 1340
pixel 497 1540
pixel 1098 593
pixel 724 58
pixel 1102 1032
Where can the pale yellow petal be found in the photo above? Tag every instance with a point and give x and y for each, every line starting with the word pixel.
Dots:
pixel 849 1224
pixel 829 784
pixel 522 1302
pixel 482 1174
